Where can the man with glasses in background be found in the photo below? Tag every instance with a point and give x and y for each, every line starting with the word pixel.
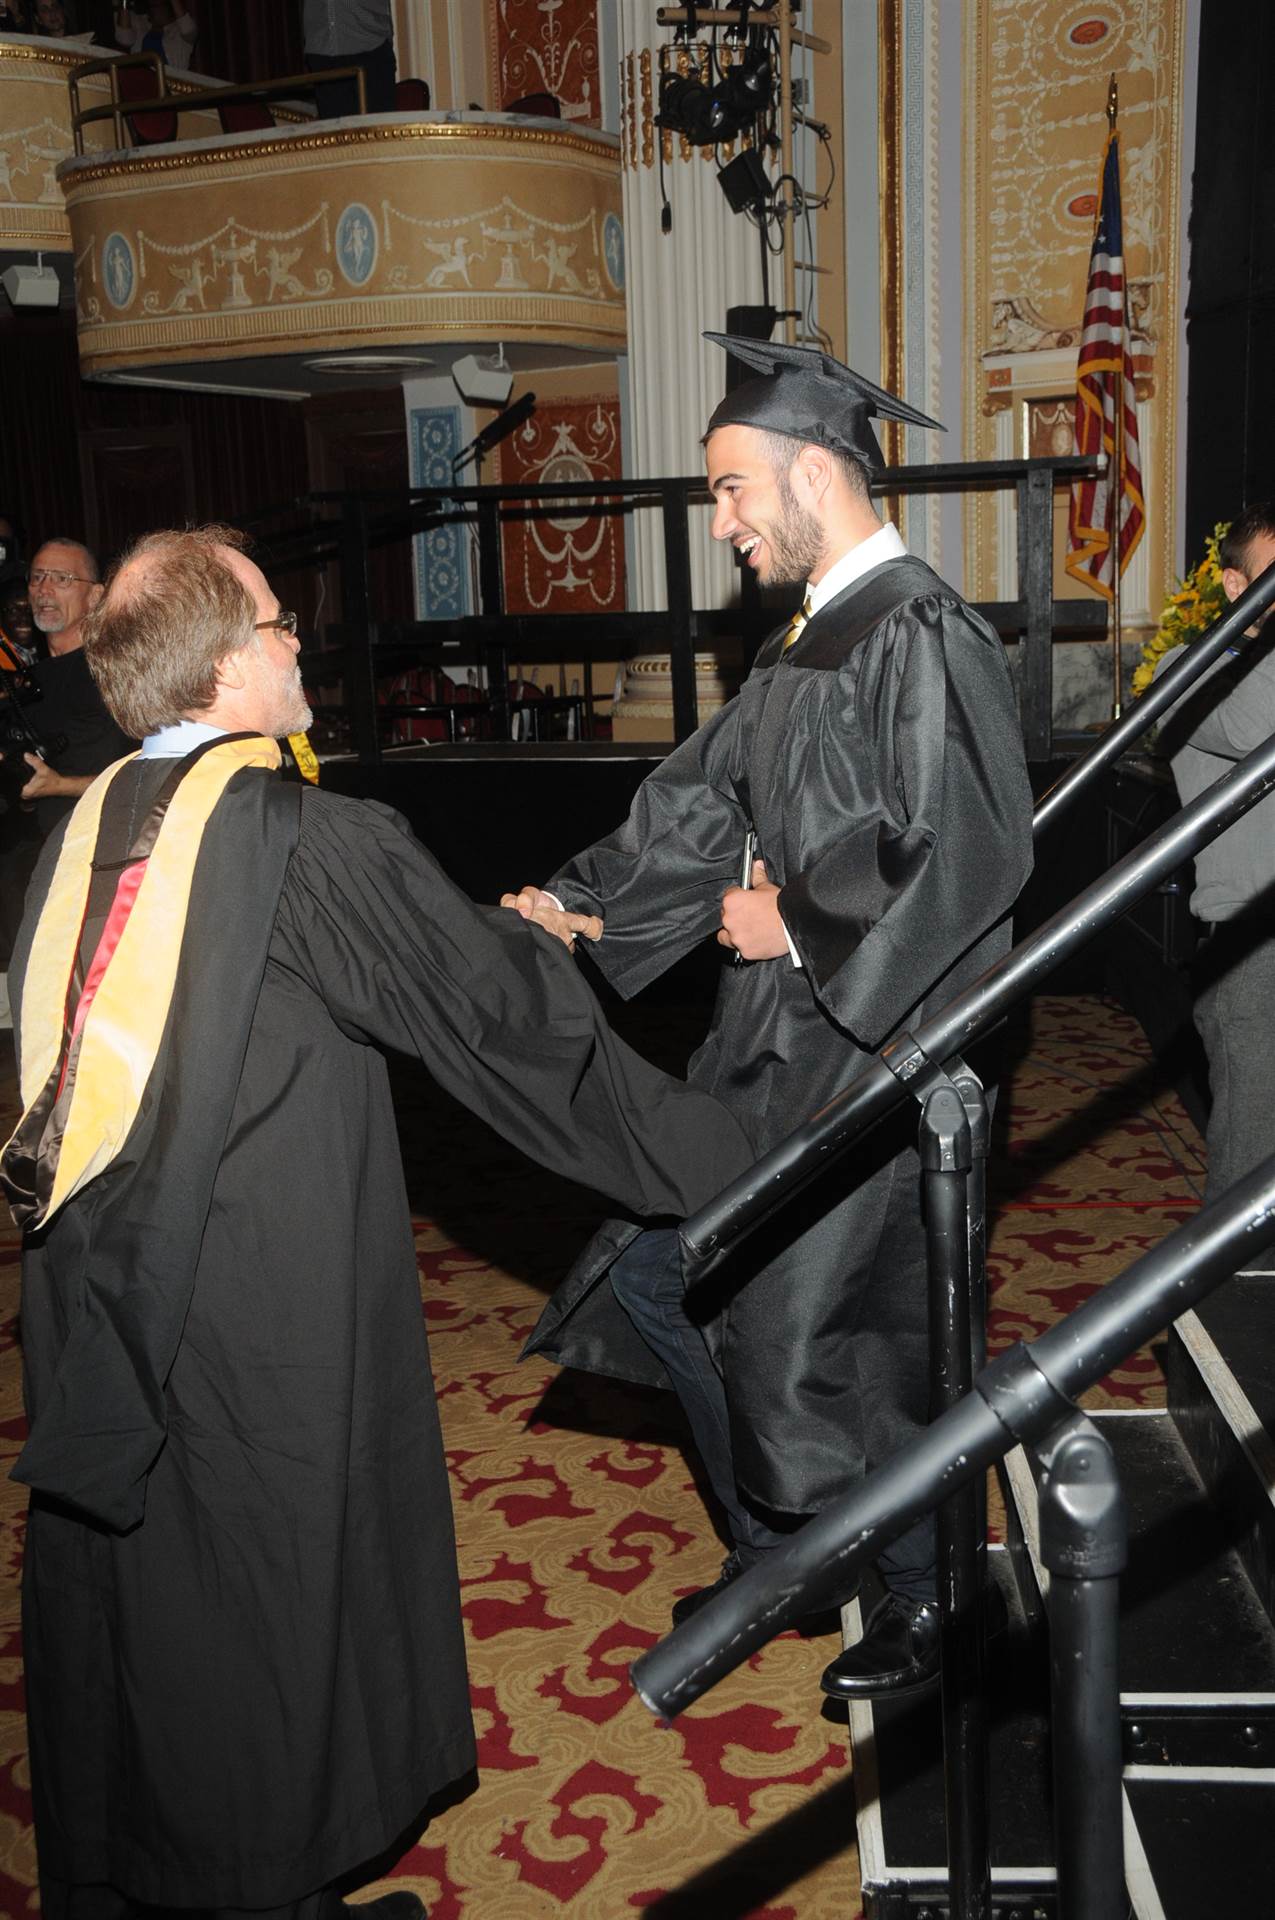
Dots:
pixel 65 585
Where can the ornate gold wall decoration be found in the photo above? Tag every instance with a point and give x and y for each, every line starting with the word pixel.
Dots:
pixel 337 240
pixel 1035 93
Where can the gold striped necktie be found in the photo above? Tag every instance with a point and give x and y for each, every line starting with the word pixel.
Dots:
pixel 797 624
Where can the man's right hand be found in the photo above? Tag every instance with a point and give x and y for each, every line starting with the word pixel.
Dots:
pixel 533 903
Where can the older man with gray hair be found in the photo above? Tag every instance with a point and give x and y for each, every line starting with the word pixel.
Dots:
pixel 245 1669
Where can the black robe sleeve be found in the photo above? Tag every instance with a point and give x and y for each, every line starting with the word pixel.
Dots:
pixel 496 1010
pixel 657 882
pixel 902 887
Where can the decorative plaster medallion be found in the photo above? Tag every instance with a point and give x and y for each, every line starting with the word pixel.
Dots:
pixel 119 274
pixel 613 251
pixel 356 244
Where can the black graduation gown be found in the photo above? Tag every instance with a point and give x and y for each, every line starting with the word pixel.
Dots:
pixel 881 763
pixel 257 1684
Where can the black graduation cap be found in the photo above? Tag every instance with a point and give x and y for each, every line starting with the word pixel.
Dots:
pixel 807 394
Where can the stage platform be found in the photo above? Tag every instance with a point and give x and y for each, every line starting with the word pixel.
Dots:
pixel 497 815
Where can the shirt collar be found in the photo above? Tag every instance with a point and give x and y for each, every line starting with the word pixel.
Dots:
pixel 171 743
pixel 884 544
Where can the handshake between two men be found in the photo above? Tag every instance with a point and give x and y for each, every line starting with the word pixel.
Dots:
pixel 751 924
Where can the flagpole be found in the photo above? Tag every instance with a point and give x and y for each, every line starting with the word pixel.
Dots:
pixel 1115 479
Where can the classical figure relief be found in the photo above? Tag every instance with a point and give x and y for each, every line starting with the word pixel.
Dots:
pixel 556 260
pixel 454 259
pixel 280 277
pixel 191 282
pixel 231 269
pixel 531 254
pixel 25 151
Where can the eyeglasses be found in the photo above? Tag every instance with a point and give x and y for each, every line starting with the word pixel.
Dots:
pixel 285 622
pixel 56 578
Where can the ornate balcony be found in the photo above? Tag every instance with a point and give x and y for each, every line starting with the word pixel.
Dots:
pixel 242 261
pixel 35 137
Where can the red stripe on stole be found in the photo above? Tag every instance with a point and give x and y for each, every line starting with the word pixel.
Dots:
pixel 126 892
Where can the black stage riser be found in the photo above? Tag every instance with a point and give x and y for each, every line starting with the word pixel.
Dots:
pixel 495 818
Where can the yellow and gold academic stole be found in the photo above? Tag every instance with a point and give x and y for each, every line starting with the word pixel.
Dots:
pixel 86 1057
pixel 306 758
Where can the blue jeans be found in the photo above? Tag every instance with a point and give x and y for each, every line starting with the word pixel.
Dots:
pixel 647 1281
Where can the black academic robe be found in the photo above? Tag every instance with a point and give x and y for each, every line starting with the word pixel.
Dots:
pixel 881 763
pixel 245 1667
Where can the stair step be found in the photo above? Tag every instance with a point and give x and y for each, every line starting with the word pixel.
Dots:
pixel 898 1771
pixel 1197 1648
pixel 1220 1368
pixel 1197 1842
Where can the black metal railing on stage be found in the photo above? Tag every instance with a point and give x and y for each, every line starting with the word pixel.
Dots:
pixel 1082 1514
pixel 1226 634
pixel 342 528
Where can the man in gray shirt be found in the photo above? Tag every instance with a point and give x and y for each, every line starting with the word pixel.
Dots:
pixel 1230 711
pixel 351 33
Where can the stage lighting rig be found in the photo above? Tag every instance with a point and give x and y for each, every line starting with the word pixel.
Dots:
pixel 708 111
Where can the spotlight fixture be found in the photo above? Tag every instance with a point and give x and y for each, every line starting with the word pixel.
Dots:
pixel 29 286
pixel 485 381
pixel 706 112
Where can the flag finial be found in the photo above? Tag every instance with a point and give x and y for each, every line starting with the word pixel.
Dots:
pixel 1113 104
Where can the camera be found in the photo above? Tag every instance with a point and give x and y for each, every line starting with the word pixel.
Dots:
pixel 18 737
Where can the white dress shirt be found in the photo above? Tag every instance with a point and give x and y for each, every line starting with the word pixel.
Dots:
pixel 172 743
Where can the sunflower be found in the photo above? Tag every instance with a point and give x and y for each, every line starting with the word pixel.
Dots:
pixel 1199 601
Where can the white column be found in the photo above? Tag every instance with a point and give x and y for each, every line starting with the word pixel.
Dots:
pixel 678 284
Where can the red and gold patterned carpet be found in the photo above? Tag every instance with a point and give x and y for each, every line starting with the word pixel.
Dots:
pixel 579 1520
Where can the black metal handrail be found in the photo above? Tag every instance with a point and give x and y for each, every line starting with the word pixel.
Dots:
pixel 1163 693
pixel 839 1125
pixel 356 521
pixel 189 99
pixel 1021 1396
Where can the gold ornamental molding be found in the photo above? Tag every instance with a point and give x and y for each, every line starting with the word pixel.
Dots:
pixel 391 234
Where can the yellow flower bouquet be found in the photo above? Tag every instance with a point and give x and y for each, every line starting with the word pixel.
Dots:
pixel 1199 601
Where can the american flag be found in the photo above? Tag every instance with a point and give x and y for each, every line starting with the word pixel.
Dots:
pixel 1104 366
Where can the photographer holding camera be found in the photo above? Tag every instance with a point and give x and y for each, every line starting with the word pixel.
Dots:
pixel 65 584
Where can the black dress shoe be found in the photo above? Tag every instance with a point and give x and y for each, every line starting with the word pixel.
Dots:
pixel 732 1567
pixel 898 1654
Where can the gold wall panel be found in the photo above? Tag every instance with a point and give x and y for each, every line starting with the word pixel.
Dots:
pixel 351 237
pixel 1035 93
pixel 35 137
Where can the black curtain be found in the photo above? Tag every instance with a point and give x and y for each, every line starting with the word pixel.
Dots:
pixel 250 39
pixel 1231 310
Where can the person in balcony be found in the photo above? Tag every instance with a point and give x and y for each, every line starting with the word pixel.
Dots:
pixel 54 19
pixel 350 33
pixel 13 17
pixel 166 27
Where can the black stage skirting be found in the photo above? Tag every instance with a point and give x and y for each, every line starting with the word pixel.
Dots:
pixel 496 816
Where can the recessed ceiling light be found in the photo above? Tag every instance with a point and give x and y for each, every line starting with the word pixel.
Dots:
pixel 368 363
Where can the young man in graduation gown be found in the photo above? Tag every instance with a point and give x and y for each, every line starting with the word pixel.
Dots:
pixel 245 1669
pixel 875 752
